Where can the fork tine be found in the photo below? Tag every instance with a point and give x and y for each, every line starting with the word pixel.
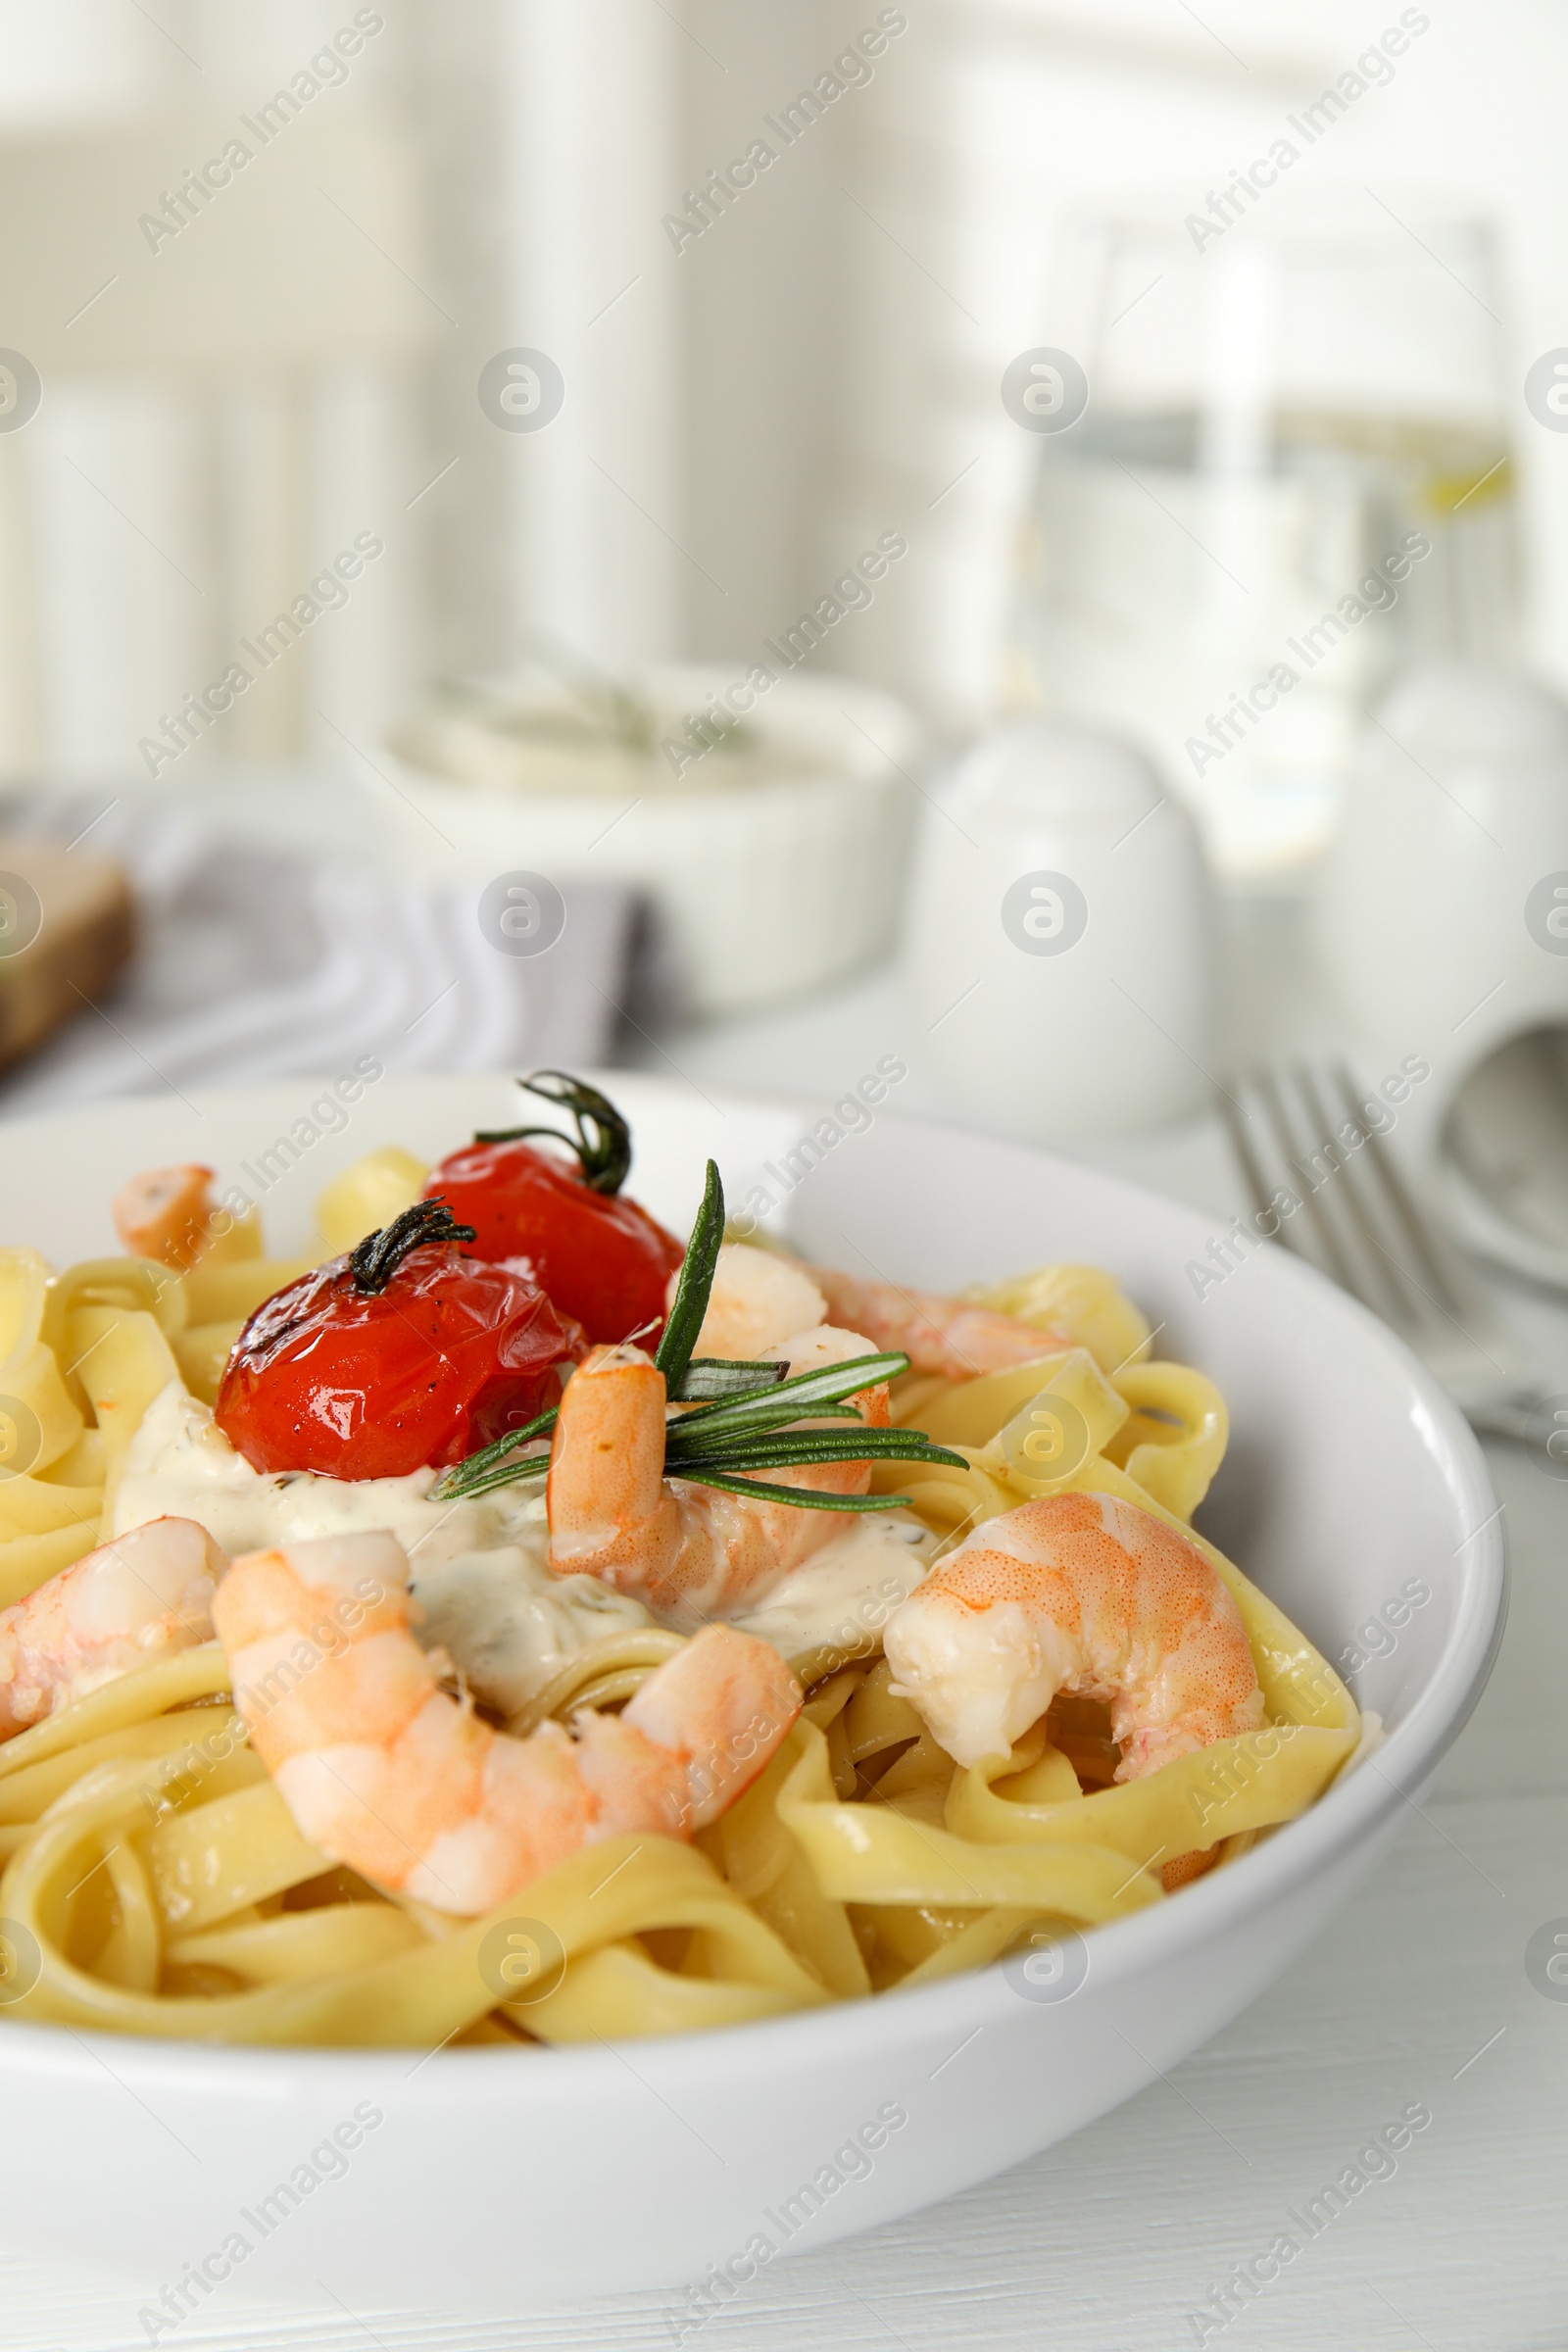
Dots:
pixel 1407 1215
pixel 1405 1297
pixel 1231 1112
pixel 1460 1314
pixel 1273 1104
pixel 1502 1393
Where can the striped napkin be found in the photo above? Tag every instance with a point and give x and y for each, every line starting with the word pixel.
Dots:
pixel 264 959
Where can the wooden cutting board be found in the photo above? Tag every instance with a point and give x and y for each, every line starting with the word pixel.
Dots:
pixel 66 925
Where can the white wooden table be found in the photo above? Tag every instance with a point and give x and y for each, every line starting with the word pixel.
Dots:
pixel 1109 2242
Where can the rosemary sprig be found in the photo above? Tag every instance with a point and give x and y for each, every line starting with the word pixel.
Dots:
pixel 714 1377
pixel 690 1304
pixel 595 709
pixel 802 1499
pixel 750 1414
pixel 497 1464
pixel 614 708
pixel 724 1466
pixel 517 1470
pixel 793 1449
pixel 812 1446
pixel 788 1400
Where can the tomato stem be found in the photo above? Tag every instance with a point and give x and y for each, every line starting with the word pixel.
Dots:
pixel 602 1142
pixel 378 1256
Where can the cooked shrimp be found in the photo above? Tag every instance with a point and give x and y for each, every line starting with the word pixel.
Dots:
pixel 1084 1593
pixel 687 1550
pixel 164 1213
pixel 387 1774
pixel 759 1295
pixel 757 1298
pixel 122 1605
pixel 946 1336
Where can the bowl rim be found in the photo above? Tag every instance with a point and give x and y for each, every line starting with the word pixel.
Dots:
pixel 1348 1816
pixel 696 678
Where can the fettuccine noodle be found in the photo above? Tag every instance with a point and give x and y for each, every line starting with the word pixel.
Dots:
pixel 155 1882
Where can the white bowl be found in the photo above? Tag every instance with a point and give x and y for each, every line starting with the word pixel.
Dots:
pixel 761 890
pixel 502 2178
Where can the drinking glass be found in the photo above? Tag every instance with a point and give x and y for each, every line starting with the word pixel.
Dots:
pixel 1290 480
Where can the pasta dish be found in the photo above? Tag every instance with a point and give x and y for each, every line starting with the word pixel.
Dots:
pixel 508 1625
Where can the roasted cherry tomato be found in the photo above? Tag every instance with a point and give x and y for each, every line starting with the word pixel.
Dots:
pixel 601 1258
pixel 404 1352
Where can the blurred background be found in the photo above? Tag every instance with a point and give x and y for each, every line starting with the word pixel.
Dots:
pixel 297 358
pixel 1025 538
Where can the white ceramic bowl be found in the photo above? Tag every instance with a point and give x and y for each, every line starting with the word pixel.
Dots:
pixel 761 890
pixel 502 2179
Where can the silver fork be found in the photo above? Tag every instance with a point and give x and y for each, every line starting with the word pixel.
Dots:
pixel 1359 1222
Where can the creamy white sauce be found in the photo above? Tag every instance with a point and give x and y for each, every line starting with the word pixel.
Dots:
pixel 479 1569
pixel 848 1590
